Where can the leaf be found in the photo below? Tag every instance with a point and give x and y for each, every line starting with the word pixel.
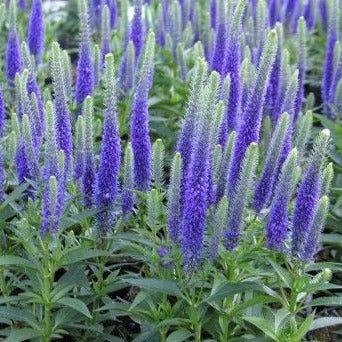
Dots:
pixel 168 287
pixel 14 195
pixel 326 301
pixel 80 254
pixel 75 304
pixel 314 288
pixel 68 222
pixel 18 335
pixel 282 273
pixel 12 260
pixel 18 315
pixel 179 335
pixel 324 322
pixel 116 308
pixel 263 325
pixel 229 289
pixel 304 328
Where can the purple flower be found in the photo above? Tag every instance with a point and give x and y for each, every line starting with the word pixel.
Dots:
pixel 85 66
pixel 308 194
pixel 196 183
pixel 13 55
pixel 301 66
pixel 53 204
pixel 127 68
pixel 332 38
pixel 309 14
pixel 264 186
pixel 85 74
pixel 88 178
pixel 107 176
pixel 22 4
pixel 21 164
pixel 113 12
pixel 311 244
pixel 186 136
pixel 250 126
pixel 141 143
pixel 278 221
pixel 230 121
pixel 63 124
pixel 240 199
pixel 140 137
pixel 213 13
pixel 195 202
pixel 35 34
pixel 220 39
pixel 137 34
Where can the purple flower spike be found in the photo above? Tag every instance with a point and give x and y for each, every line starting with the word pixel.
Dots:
pixel 113 12
pixel 186 136
pixel 141 143
pixel 85 66
pixel 333 36
pixel 63 124
pixel 21 163
pixel 85 74
pixel 213 13
pixel 278 221
pixel 308 194
pixel 265 184
pixel 52 206
pixel 35 34
pixel 250 126
pixel 107 176
pixel 311 245
pixel 301 66
pixel 13 55
pixel 196 198
pixel 220 39
pixel 22 4
pixel 239 202
pixel 89 174
pixel 137 34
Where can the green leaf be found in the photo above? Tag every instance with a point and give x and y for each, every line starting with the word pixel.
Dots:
pixel 12 260
pixel 230 289
pixel 18 315
pixel 326 301
pixel 14 195
pixel 116 308
pixel 262 324
pixel 179 335
pixel 75 304
pixel 314 288
pixel 303 329
pixel 324 322
pixel 168 287
pixel 18 335
pixel 80 254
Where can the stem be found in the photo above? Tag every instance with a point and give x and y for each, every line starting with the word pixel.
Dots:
pixel 48 282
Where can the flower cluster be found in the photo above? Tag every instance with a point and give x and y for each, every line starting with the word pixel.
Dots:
pixel 242 149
